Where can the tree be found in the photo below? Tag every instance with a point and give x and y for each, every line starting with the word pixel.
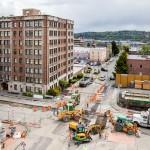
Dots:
pixel 121 66
pixel 115 48
pixel 126 48
pixel 145 50
pixel 88 44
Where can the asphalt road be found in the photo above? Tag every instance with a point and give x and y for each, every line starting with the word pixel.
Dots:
pixel 54 134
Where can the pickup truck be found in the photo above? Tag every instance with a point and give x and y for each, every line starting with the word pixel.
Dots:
pixel 142 119
pixel 85 81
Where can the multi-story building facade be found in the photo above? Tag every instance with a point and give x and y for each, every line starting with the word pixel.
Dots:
pixel 81 52
pixel 36 51
pixel 138 64
pixel 99 54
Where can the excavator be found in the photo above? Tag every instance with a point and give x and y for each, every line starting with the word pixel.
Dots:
pixel 68 112
pixel 81 136
pixel 122 124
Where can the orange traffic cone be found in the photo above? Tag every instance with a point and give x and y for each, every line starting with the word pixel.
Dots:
pixel 43 108
pixel 49 108
pixel 34 108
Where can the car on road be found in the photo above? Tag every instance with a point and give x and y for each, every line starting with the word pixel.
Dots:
pixel 112 78
pixel 104 69
pixel 96 71
pixel 102 78
pixel 111 60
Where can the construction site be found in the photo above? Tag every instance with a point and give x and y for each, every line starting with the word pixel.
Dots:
pixel 83 120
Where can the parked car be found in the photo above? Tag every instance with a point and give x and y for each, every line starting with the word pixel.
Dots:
pixel 112 78
pixel 111 60
pixel 104 69
pixel 102 78
pixel 96 71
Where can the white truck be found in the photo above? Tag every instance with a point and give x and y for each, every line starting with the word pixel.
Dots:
pixel 142 119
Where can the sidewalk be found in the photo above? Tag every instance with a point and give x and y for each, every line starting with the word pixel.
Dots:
pixel 24 100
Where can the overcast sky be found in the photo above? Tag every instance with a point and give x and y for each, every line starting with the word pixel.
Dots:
pixel 89 15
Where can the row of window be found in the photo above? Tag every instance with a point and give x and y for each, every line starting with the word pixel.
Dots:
pixel 5 68
pixel 37 51
pixel 34 70
pixel 5 77
pixel 131 66
pixel 33 80
pixel 36 42
pixel 35 23
pixel 36 61
pixel 5 33
pixel 6 51
pixel 33 89
pixel 55 24
pixel 5 59
pixel 31 33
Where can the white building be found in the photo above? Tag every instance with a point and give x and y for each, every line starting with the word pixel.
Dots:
pixel 99 54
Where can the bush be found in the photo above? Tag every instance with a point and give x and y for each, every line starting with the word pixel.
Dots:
pixel 74 77
pixel 53 92
pixel 73 81
pixel 80 75
pixel 70 80
pixel 30 94
pixel 63 83
pixel 56 92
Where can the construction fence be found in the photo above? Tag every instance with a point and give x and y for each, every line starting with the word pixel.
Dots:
pixel 20 118
pixel 133 81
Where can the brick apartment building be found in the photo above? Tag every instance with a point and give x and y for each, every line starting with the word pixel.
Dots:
pixel 36 51
pixel 138 64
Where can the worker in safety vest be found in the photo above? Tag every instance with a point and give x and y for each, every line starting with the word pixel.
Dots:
pixel 84 148
pixel 80 121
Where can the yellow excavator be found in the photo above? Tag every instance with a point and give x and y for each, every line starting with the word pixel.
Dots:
pixel 82 135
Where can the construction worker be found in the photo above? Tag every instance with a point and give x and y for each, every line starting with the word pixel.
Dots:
pixel 87 104
pixel 84 148
pixel 80 120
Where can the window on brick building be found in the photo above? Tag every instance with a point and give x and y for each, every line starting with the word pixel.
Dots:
pixel 15 78
pixel 15 86
pixel 15 51
pixel 140 66
pixel 131 66
pixel 20 24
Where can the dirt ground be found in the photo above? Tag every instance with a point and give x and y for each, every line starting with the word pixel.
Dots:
pixel 11 143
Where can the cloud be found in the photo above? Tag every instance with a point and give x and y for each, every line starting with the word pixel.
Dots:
pixel 90 15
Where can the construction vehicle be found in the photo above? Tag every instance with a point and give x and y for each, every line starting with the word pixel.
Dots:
pixel 75 99
pixel 142 119
pixel 68 112
pixel 101 120
pixel 82 135
pixel 121 124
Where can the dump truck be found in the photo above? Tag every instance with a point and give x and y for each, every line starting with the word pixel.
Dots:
pixel 142 119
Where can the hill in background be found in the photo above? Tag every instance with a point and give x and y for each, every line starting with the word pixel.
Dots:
pixel 141 36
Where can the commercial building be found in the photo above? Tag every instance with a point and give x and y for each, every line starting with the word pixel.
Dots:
pixel 139 64
pixel 36 51
pixel 99 54
pixel 81 52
